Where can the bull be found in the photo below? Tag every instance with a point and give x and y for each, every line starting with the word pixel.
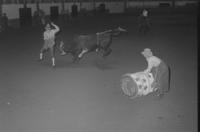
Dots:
pixel 83 44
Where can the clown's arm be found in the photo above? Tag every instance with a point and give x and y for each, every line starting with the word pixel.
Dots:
pixel 56 27
pixel 150 66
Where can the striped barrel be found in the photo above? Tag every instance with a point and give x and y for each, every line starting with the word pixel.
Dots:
pixel 137 84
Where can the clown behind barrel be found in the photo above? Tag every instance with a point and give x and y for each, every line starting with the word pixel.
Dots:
pixel 155 78
pixel 160 71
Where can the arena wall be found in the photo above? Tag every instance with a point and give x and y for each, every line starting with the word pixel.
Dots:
pixel 12 10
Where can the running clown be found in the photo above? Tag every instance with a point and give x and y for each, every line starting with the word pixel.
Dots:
pixel 49 41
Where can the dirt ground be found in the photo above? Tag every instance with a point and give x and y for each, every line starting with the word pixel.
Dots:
pixel 87 97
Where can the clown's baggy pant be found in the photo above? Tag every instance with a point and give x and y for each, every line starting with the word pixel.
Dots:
pixel 162 77
pixel 48 45
pixel 142 83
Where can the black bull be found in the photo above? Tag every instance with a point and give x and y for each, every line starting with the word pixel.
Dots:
pixel 82 44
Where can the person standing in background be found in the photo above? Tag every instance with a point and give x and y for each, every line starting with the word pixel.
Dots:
pixel 143 22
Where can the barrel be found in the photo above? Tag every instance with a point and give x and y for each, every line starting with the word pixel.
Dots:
pixel 137 84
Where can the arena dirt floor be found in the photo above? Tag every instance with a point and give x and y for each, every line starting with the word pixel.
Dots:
pixel 87 97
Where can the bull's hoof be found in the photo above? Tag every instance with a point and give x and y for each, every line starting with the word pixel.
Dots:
pixel 63 53
pixel 53 66
pixel 76 60
pixel 97 50
pixel 39 60
pixel 107 52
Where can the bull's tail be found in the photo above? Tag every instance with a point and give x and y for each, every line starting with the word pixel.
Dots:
pixel 117 31
pixel 104 32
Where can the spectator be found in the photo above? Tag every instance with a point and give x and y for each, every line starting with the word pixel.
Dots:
pixel 4 21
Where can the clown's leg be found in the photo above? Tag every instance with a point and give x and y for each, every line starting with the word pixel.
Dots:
pixel 52 56
pixel 41 56
pixel 42 51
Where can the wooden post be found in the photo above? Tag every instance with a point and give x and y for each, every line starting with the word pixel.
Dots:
pixel 80 1
pixel 125 5
pixel 25 4
pixel 37 5
pixel 173 3
pixel 94 5
pixel 63 5
pixel 1 4
pixel 143 4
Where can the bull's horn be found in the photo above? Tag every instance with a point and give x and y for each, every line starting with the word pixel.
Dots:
pixel 122 29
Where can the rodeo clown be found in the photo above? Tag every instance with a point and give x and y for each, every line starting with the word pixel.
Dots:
pixel 155 78
pixel 49 40
pixel 159 70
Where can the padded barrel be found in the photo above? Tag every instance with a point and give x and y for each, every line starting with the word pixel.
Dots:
pixel 129 86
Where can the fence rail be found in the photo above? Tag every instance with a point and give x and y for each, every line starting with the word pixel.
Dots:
pixel 80 1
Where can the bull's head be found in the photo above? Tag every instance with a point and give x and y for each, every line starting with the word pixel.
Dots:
pixel 118 30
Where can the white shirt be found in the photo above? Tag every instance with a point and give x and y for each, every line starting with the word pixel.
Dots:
pixel 153 61
pixel 49 34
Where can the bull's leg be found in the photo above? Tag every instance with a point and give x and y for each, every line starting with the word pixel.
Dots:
pixel 75 59
pixel 75 55
pixel 97 48
pixel 107 52
pixel 82 53
pixel 61 48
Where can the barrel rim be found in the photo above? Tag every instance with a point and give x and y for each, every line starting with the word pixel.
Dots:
pixel 135 93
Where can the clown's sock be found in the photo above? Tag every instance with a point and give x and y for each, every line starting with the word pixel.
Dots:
pixel 53 62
